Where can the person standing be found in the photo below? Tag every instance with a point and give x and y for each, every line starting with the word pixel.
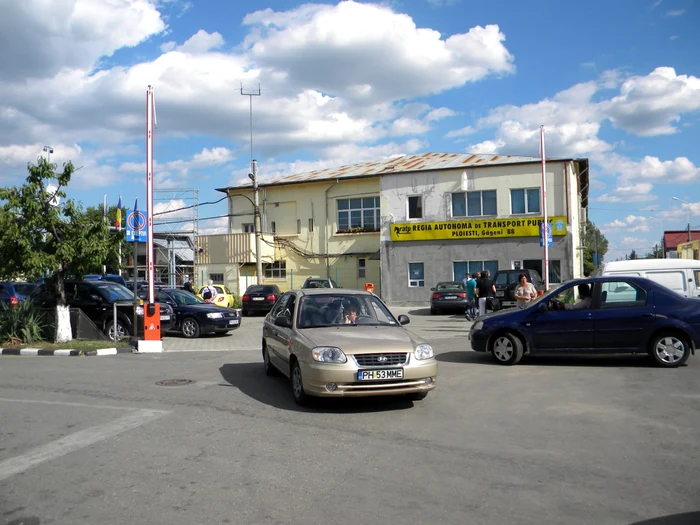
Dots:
pixel 187 285
pixel 470 284
pixel 209 293
pixel 525 291
pixel 485 289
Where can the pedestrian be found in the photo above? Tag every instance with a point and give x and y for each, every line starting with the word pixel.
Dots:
pixel 187 285
pixel 485 290
pixel 470 314
pixel 209 292
pixel 525 291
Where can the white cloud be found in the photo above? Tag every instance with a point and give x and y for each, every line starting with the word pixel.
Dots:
pixel 40 38
pixel 678 170
pixel 200 42
pixel 633 193
pixel 675 12
pixel 408 126
pixel 439 114
pixel 461 132
pixel 213 157
pixel 632 224
pixel 214 226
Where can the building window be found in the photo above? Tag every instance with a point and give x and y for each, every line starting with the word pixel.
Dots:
pixel 460 268
pixel 248 228
pixel 416 275
pixel 218 278
pixel 415 207
pixel 361 214
pixel 474 203
pixel 273 227
pixel 276 270
pixel 311 225
pixel 361 268
pixel 525 201
pixel 298 226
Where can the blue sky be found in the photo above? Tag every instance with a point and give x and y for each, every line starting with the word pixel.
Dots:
pixel 344 82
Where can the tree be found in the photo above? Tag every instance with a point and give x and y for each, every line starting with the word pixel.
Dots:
pixel 112 260
pixel 632 255
pixel 39 234
pixel 594 242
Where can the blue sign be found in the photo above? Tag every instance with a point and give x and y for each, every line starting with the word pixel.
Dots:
pixel 548 232
pixel 136 226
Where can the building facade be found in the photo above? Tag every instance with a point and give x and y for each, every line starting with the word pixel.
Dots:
pixel 405 223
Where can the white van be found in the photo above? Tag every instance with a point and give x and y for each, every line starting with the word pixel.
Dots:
pixel 680 275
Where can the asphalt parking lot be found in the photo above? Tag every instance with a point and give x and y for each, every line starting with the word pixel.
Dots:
pixel 578 441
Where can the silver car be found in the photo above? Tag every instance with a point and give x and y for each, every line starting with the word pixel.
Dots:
pixel 337 342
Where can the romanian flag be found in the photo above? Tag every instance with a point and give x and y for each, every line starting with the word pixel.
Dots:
pixel 118 224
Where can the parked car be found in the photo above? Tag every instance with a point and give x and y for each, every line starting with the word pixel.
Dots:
pixel 626 315
pixel 259 298
pixel 223 298
pixel 13 293
pixel 319 282
pixel 680 275
pixel 194 317
pixel 448 295
pixel 96 299
pixel 337 343
pixel 113 278
pixel 506 281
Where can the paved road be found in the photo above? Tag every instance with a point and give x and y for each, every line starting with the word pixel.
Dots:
pixel 584 441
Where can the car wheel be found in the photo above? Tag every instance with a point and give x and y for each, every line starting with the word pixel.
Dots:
pixel 669 350
pixel 507 349
pixel 122 331
pixel 270 369
pixel 190 328
pixel 433 311
pixel 418 396
pixel 300 397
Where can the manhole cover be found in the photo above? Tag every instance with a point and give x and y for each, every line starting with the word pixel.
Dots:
pixel 174 382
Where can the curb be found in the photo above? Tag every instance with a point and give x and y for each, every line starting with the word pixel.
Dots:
pixel 65 353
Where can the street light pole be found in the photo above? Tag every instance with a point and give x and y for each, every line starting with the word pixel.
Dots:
pixel 687 213
pixel 48 150
pixel 257 226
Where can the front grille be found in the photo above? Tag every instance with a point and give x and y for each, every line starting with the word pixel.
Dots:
pixel 230 314
pixel 392 359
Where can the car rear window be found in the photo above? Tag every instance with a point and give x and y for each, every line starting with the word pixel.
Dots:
pixel 260 289
pixel 24 288
pixel 449 287
pixel 506 278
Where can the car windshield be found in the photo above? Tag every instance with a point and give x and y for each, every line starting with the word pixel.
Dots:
pixel 184 298
pixel 318 283
pixel 450 287
pixel 317 311
pixel 113 291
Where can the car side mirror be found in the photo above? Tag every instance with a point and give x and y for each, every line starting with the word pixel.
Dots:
pixel 542 307
pixel 404 319
pixel 432 289
pixel 284 322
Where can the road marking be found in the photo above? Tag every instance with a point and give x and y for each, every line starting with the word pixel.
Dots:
pixel 69 404
pixel 76 441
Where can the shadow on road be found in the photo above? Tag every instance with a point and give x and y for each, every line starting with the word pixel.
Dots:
pixel 687 518
pixel 613 361
pixel 276 391
pixel 456 313
pixel 466 356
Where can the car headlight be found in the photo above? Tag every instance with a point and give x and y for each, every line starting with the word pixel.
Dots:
pixel 328 354
pixel 424 352
pixel 478 325
pixel 139 310
pixel 215 315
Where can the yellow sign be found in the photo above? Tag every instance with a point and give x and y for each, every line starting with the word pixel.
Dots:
pixel 470 229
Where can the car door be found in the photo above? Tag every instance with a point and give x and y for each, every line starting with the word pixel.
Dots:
pixel 164 297
pixel 561 330
pixel 271 333
pixel 284 335
pixel 88 299
pixel 624 317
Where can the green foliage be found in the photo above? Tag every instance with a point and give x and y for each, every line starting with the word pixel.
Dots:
pixel 22 324
pixel 237 301
pixel 593 240
pixel 112 260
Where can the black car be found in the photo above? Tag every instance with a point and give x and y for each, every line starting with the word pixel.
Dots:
pixel 96 299
pixel 259 298
pixel 506 281
pixel 194 317
pixel 319 282
pixel 13 293
pixel 448 295
pixel 616 314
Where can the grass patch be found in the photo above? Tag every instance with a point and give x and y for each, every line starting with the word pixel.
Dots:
pixel 76 344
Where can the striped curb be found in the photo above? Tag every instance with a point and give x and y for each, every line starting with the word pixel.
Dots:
pixel 65 353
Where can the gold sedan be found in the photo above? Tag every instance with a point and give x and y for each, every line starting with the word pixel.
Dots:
pixel 337 342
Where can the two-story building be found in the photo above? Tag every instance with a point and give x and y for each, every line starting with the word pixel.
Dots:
pixel 405 223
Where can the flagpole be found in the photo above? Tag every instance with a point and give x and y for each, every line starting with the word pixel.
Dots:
pixel 545 223
pixel 104 218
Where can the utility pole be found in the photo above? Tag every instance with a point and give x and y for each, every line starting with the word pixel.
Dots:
pixel 48 150
pixel 254 177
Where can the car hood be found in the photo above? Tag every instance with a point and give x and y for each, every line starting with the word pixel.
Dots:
pixel 204 308
pixel 358 339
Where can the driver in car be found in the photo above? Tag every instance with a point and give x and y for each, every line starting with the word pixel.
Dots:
pixel 584 294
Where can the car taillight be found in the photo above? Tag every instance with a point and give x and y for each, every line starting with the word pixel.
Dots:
pixel 14 301
pixel 271 298
pixel 245 298
pixel 437 295
pixel 462 295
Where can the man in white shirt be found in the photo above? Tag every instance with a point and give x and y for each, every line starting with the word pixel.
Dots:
pixel 584 294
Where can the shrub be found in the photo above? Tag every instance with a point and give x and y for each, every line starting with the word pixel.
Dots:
pixel 237 301
pixel 22 324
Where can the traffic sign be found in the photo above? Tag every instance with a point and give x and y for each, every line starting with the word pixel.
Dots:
pixel 136 222
pixel 548 229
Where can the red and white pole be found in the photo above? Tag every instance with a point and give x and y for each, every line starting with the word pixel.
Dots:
pixel 545 224
pixel 150 107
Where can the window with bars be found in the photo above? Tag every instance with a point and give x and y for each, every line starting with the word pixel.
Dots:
pixel 474 203
pixel 276 270
pixel 218 278
pixel 357 215
pixel 311 225
pixel 525 200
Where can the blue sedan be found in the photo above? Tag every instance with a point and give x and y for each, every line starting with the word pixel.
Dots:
pixel 602 315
